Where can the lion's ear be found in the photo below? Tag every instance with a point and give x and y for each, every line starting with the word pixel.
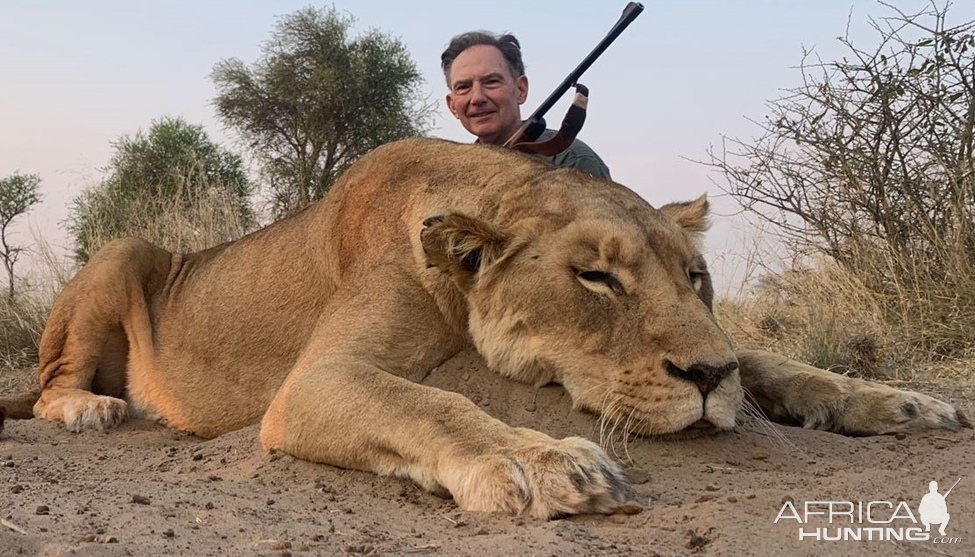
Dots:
pixel 690 215
pixel 461 246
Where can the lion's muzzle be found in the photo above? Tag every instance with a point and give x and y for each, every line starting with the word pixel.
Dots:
pixel 706 377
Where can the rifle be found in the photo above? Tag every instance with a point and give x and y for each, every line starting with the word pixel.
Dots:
pixel 535 124
pixel 949 491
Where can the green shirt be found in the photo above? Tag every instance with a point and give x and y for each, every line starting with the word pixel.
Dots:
pixel 579 156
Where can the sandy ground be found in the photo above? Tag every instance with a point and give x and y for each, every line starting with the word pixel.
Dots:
pixel 147 490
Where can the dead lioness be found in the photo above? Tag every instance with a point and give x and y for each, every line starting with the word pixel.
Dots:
pixel 320 326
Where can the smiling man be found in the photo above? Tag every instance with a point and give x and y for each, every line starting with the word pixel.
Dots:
pixel 487 83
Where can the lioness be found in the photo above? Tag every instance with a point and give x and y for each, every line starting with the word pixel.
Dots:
pixel 322 324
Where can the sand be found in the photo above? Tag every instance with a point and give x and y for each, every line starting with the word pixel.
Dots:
pixel 146 490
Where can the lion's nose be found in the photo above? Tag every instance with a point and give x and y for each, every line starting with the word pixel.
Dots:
pixel 707 377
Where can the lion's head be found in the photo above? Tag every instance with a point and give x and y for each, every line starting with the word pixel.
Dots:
pixel 578 281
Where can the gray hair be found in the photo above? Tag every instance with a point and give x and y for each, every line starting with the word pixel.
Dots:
pixel 508 45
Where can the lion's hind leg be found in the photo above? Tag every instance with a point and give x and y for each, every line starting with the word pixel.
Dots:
pixel 795 393
pixel 88 336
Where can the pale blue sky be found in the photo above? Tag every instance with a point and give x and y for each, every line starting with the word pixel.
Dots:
pixel 77 75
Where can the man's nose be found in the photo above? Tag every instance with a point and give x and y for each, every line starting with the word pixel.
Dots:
pixel 477 93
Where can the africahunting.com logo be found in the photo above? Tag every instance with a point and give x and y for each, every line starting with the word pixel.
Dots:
pixel 872 520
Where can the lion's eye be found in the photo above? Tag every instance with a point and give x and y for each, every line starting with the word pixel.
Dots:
pixel 697 279
pixel 600 278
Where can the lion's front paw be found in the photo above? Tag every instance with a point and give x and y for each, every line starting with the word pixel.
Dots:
pixel 80 410
pixel 543 480
pixel 877 409
pixel 856 407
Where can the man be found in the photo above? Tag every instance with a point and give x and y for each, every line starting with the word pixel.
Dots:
pixel 933 509
pixel 487 83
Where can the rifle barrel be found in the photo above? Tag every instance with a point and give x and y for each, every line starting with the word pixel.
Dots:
pixel 630 13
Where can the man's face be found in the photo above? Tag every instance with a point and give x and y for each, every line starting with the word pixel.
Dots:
pixel 484 95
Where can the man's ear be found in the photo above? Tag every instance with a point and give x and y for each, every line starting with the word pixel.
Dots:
pixel 522 83
pixel 690 215
pixel 461 246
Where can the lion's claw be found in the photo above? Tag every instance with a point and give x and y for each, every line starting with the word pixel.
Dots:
pixel 80 410
pixel 570 476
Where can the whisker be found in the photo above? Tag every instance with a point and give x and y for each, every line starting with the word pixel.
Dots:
pixel 604 416
pixel 751 409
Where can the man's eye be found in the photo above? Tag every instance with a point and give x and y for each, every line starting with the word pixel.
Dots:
pixel 460 89
pixel 492 83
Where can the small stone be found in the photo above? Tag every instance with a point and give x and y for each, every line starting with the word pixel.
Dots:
pixel 43 509
pixel 169 533
pixel 110 539
pixel 732 499
pixel 140 500
pixel 88 538
pixel 697 541
pixel 208 506
pixel 901 436
pixel 629 507
pixel 197 456
pixel 17 489
pixel 270 502
pixel 712 487
pixel 704 498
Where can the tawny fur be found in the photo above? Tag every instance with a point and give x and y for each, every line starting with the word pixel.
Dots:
pixel 320 325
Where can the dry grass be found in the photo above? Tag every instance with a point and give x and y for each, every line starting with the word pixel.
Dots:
pixel 191 220
pixel 22 318
pixel 834 318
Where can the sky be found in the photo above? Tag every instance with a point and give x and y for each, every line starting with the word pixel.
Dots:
pixel 75 76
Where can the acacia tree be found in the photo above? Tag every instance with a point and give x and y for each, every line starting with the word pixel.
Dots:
pixel 18 193
pixel 317 100
pixel 173 164
pixel 870 162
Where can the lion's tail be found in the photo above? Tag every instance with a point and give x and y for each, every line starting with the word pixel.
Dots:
pixel 19 406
